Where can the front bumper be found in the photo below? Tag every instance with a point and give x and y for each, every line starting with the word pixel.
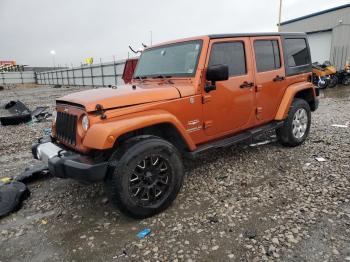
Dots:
pixel 67 164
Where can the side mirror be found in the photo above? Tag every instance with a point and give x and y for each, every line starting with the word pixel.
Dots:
pixel 216 73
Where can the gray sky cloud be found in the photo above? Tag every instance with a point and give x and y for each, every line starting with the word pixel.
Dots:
pixel 78 29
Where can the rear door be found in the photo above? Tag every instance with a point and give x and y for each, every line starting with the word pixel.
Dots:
pixel 269 76
pixel 230 107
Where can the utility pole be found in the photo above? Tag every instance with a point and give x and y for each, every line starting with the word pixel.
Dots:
pixel 280 17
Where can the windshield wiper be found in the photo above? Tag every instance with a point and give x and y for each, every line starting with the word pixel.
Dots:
pixel 162 76
pixel 140 77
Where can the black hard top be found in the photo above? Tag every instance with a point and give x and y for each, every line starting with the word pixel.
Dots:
pixel 216 36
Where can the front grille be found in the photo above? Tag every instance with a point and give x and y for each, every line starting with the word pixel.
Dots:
pixel 66 127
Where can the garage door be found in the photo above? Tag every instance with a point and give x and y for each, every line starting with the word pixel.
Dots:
pixel 320 45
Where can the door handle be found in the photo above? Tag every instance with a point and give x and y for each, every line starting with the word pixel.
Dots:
pixel 246 84
pixel 279 78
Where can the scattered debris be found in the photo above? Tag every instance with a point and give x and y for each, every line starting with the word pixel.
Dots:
pixel 1 88
pixel 105 201
pixel 250 233
pixel 144 233
pixel 320 159
pixel 307 164
pixel 17 107
pixel 47 131
pixel 261 143
pixel 12 194
pixel 343 126
pixel 213 219
pixel 15 120
pixel 44 222
pixel 123 254
pixel 19 114
pixel 33 173
pixel 39 111
pixel 4 180
pixel 57 86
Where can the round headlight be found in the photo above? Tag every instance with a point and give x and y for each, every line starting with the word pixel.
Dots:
pixel 85 123
pixel 54 116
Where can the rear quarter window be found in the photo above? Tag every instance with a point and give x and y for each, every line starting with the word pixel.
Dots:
pixel 297 52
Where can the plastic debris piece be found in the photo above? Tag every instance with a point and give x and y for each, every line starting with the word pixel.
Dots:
pixel 47 131
pixel 15 120
pixel 44 222
pixel 144 233
pixel 19 113
pixel 39 110
pixel 261 143
pixel 320 159
pixel 12 195
pixel 5 180
pixel 33 173
pixel 343 126
pixel 17 108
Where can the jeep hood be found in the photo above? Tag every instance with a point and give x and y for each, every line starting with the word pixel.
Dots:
pixel 123 95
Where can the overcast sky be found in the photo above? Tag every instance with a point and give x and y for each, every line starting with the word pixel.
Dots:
pixel 30 29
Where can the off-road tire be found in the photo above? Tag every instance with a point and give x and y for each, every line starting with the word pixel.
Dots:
pixel 333 81
pixel 346 81
pixel 285 133
pixel 128 156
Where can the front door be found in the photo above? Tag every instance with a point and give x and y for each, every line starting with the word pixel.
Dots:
pixel 269 76
pixel 230 107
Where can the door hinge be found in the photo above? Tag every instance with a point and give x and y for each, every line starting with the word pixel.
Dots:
pixel 258 88
pixel 206 99
pixel 207 124
pixel 258 112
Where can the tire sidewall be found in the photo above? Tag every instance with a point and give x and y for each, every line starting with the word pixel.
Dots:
pixel 298 104
pixel 126 164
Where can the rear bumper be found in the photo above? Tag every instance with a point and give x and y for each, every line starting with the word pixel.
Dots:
pixel 67 164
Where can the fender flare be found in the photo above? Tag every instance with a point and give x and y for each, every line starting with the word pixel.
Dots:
pixel 288 97
pixel 104 134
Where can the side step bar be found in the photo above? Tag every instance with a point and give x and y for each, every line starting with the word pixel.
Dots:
pixel 240 137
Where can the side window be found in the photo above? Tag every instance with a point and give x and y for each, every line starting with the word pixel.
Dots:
pixel 231 54
pixel 267 55
pixel 297 52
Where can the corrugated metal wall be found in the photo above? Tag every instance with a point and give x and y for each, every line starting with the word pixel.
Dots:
pixel 26 77
pixel 340 52
pixel 338 21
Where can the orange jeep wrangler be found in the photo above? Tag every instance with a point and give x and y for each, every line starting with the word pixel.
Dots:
pixel 186 97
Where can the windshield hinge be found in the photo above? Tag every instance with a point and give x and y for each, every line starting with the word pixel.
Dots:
pixel 206 99
pixel 100 111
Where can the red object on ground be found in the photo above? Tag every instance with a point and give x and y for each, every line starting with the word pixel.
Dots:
pixel 130 66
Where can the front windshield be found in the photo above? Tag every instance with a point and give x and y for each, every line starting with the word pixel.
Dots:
pixel 169 60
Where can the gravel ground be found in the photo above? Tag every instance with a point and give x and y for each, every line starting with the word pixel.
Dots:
pixel 243 203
